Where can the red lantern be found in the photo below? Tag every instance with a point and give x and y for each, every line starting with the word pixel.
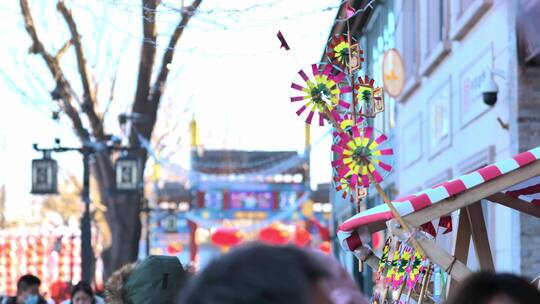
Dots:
pixel 175 248
pixel 226 237
pixel 273 235
pixel 325 247
pixel 302 237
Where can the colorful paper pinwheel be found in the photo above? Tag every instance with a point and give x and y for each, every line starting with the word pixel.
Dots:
pixel 414 270
pixel 317 90
pixel 404 261
pixel 338 50
pixel 393 265
pixel 362 155
pixel 369 97
pixel 384 258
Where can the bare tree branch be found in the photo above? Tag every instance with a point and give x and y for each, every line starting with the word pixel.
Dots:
pixel 89 89
pixel 63 88
pixel 159 85
pixel 148 54
pixel 62 50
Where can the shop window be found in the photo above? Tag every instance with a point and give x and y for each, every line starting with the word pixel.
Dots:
pixel 465 14
pixel 434 25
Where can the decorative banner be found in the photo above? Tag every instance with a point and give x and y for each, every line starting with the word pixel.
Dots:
pixel 393 72
pixel 315 91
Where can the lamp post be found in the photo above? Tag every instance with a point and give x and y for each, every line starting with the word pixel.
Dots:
pixel 44 181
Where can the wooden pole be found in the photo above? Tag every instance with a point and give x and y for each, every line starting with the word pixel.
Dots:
pixel 425 282
pixel 395 213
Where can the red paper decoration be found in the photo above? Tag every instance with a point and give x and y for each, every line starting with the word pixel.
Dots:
pixel 302 237
pixel 274 235
pixel 227 237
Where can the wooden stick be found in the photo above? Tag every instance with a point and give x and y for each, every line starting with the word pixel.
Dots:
pixel 401 290
pixel 409 294
pixel 395 213
pixel 425 282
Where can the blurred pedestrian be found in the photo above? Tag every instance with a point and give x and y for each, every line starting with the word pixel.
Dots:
pixel 82 293
pixel 260 274
pixel 27 291
pixel 492 288
pixel 157 279
pixel 339 286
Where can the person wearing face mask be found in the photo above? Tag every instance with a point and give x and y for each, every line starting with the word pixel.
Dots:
pixel 82 293
pixel 27 291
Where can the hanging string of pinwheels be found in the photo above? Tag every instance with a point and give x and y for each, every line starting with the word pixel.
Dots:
pixel 334 93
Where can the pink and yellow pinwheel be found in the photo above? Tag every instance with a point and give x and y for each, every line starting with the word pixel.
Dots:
pixel 362 154
pixel 384 259
pixel 392 269
pixel 369 97
pixel 404 261
pixel 318 90
pixel 415 268
pixel 338 50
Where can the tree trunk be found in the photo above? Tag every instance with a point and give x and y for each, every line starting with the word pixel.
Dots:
pixel 123 216
pixel 125 225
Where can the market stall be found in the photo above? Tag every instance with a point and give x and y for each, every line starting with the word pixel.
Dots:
pixel 512 182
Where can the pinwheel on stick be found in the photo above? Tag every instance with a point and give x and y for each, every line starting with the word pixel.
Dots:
pixel 344 52
pixel 369 96
pixel 317 95
pixel 365 153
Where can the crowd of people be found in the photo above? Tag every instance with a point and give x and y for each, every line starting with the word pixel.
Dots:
pixel 259 274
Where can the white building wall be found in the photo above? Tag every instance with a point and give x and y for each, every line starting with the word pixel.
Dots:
pixel 475 135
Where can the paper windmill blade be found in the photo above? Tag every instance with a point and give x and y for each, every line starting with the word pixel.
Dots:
pixel 344 53
pixel 414 270
pixel 393 265
pixel 369 97
pixel 316 91
pixel 404 261
pixel 346 123
pixel 365 153
pixel 383 260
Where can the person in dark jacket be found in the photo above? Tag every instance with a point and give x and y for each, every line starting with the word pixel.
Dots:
pixel 27 291
pixel 155 280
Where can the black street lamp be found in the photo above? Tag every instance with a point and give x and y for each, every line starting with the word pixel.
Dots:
pixel 44 175
pixel 44 181
pixel 128 173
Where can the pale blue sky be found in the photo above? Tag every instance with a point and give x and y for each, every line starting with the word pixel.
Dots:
pixel 228 71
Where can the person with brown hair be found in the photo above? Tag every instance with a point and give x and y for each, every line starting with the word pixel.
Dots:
pixel 492 288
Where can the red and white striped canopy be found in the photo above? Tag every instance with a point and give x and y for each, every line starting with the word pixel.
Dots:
pixel 528 191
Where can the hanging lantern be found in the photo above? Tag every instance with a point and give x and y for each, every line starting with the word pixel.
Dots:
pixel 127 169
pixel 44 176
pixel 170 223
pixel 175 248
pixel 302 237
pixel 226 237
pixel 273 235
pixel 325 247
